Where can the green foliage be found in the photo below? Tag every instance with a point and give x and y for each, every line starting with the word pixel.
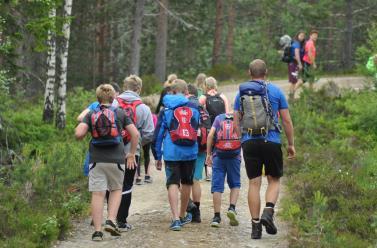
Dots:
pixel 368 49
pixel 151 85
pixel 224 72
pixel 332 183
pixel 44 186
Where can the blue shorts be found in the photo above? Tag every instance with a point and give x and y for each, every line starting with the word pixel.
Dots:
pixel 225 167
pixel 199 166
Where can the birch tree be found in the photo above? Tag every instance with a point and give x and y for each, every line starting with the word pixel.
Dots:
pixel 48 112
pixel 135 43
pixel 62 86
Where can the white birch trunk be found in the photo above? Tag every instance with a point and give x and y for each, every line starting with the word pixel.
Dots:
pixel 62 86
pixel 48 112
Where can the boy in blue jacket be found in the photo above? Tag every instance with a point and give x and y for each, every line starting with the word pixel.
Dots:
pixel 176 142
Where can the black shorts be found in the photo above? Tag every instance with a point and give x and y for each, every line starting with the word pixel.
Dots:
pixel 257 153
pixel 179 172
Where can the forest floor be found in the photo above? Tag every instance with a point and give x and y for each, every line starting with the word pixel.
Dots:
pixel 150 211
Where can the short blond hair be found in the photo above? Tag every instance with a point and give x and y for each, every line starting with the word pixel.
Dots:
pixel 132 83
pixel 211 83
pixel 170 80
pixel 179 86
pixel 105 93
pixel 257 68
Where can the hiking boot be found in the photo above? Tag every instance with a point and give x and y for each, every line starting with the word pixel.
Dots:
pixel 138 181
pixel 232 215
pixel 196 215
pixel 267 221
pixel 148 179
pixel 187 219
pixel 191 207
pixel 256 230
pixel 124 226
pixel 97 236
pixel 175 225
pixel 112 228
pixel 216 221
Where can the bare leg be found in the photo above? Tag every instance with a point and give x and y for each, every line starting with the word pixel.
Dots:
pixel 234 195
pixel 254 197
pixel 196 191
pixel 185 196
pixel 173 200
pixel 273 189
pixel 97 208
pixel 114 203
pixel 217 201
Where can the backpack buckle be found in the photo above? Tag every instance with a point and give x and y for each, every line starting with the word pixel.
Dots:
pixel 250 131
pixel 263 131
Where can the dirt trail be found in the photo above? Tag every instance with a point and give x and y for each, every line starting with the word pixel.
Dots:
pixel 150 212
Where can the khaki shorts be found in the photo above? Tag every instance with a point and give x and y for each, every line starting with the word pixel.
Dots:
pixel 106 176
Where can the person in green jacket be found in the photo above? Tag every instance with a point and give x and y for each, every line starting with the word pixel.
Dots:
pixel 372 65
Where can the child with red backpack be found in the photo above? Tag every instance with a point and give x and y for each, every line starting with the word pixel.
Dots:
pixel 141 115
pixel 176 142
pixel 224 155
pixel 107 159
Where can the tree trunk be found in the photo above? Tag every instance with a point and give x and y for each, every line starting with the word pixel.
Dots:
pixel 135 43
pixel 48 111
pixel 161 41
pixel 62 86
pixel 230 37
pixel 348 61
pixel 100 39
pixel 218 32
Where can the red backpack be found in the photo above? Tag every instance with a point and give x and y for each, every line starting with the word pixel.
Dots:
pixel 183 127
pixel 204 128
pixel 228 144
pixel 130 110
pixel 104 129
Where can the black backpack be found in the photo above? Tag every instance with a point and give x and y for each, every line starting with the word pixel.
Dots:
pixel 287 56
pixel 215 106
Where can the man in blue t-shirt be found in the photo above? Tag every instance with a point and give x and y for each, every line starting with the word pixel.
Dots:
pixel 264 150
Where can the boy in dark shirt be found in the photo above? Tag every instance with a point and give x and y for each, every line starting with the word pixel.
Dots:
pixel 107 157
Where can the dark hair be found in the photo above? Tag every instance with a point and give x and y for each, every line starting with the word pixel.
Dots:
pixel 116 87
pixel 297 35
pixel 192 89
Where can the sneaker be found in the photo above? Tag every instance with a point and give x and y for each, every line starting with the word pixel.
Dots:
pixel 97 236
pixel 196 215
pixel 267 221
pixel 208 178
pixel 216 221
pixel 148 179
pixel 124 226
pixel 256 230
pixel 187 219
pixel 112 228
pixel 232 215
pixel 175 225
pixel 138 181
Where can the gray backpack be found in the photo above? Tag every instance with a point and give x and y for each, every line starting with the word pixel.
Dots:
pixel 257 117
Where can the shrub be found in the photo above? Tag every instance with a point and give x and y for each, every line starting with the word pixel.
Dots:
pixel 224 72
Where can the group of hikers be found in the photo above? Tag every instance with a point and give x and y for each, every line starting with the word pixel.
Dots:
pixel 300 54
pixel 196 127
